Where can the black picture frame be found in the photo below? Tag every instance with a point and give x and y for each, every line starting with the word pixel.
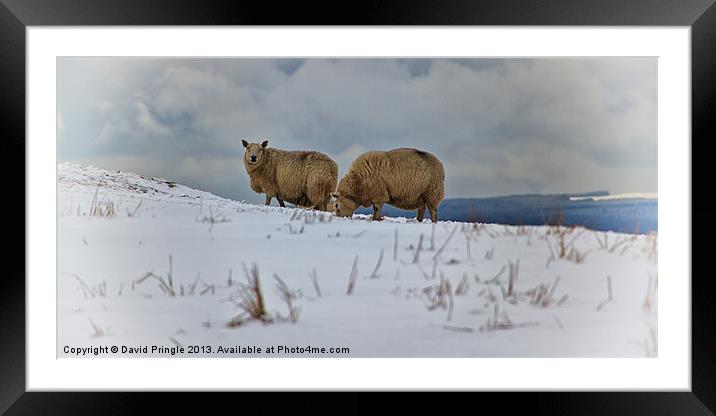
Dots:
pixel 16 15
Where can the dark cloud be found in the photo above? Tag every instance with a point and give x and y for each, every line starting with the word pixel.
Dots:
pixel 500 125
pixel 288 66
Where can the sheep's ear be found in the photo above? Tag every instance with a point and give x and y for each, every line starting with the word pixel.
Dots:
pixel 264 143
pixel 245 143
pixel 335 195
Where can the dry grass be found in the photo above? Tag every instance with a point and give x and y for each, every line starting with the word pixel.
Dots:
pixel 576 256
pixel 314 279
pixel 609 298
pixel 212 219
pixel 192 288
pixel 416 258
pixel 440 296
pixel 501 321
pixel 169 273
pixel 565 250
pixel 288 296
pixel 653 250
pixel 311 216
pixel 621 242
pixel 377 266
pixel 99 290
pixel 297 230
pixel 445 243
pixel 512 279
pixel 395 246
pixel 463 287
pixel 559 323
pixel 490 253
pixel 603 243
pixel 489 296
pixel 425 275
pixel 618 243
pixel 467 245
pixel 490 233
pixel 432 237
pixel 465 329
pixel 651 293
pixel 101 208
pixel 353 277
pixel 542 295
pixel 133 213
pixel 654 240
pixel 166 286
pixel 98 332
pixel 168 290
pixel 496 280
pixel 651 343
pixel 556 220
pixel 251 300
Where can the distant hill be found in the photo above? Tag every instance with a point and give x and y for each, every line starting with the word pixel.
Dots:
pixel 605 213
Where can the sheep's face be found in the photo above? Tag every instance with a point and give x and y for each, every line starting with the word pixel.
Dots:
pixel 254 152
pixel 342 206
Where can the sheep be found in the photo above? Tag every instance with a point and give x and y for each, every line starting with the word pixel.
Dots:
pixel 404 178
pixel 302 178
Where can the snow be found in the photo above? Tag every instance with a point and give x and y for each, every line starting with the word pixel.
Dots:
pixel 634 195
pixel 101 258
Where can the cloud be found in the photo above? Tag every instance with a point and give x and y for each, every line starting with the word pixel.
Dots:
pixel 148 124
pixel 499 125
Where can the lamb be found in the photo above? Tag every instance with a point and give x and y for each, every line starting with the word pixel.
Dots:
pixel 404 178
pixel 302 178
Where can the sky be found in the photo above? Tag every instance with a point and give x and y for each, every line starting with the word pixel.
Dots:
pixel 500 126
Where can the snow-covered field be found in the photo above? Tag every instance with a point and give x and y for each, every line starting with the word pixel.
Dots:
pixel 473 290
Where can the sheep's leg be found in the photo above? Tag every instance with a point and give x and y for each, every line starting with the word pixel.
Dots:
pixel 376 212
pixel 433 213
pixel 280 202
pixel 268 199
pixel 421 213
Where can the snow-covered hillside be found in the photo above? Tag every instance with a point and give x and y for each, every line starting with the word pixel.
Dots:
pixel 147 262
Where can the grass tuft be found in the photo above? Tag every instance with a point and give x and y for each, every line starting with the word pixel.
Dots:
pixel 288 296
pixel 353 277
pixel 251 300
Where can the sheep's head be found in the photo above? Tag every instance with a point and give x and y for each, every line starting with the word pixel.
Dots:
pixel 254 152
pixel 342 205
